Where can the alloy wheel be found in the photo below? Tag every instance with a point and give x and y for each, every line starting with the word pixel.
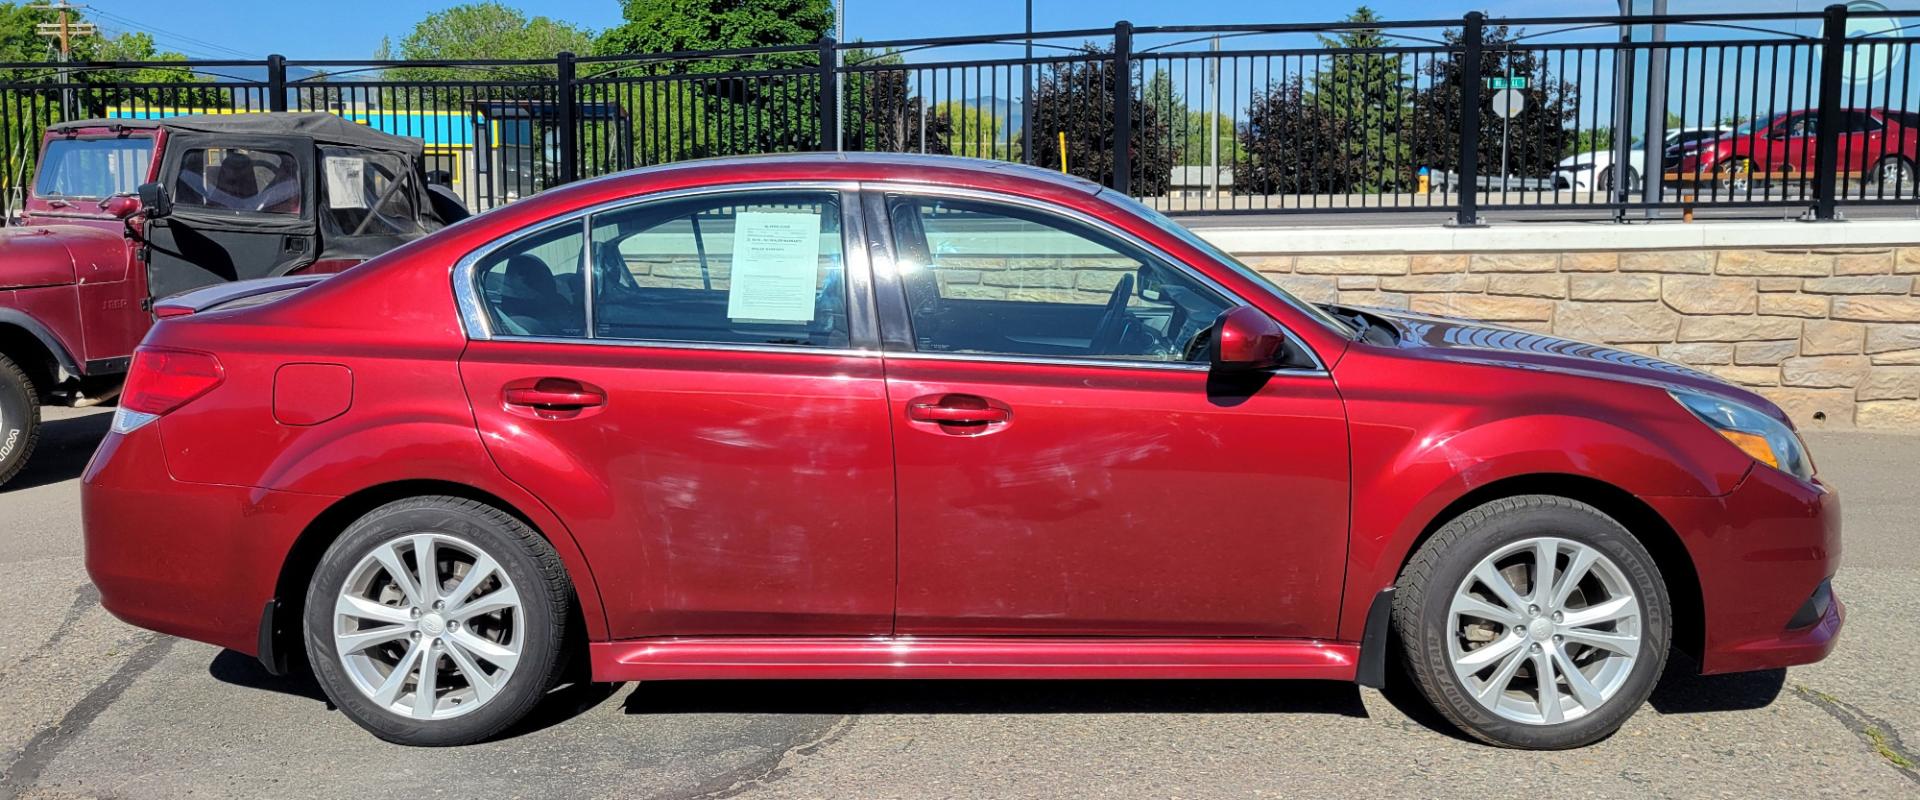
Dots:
pixel 428 626
pixel 1544 631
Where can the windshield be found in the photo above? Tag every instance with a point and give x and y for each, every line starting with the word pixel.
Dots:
pixel 1164 223
pixel 93 167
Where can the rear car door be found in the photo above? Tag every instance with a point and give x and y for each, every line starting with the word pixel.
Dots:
pixel 1067 465
pixel 242 208
pixel 692 383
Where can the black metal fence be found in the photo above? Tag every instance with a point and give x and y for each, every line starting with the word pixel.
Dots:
pixel 1792 111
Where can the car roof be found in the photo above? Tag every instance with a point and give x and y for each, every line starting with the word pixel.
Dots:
pixel 858 166
pixel 316 125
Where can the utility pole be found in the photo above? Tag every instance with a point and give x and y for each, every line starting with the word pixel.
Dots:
pixel 1026 95
pixel 839 74
pixel 64 32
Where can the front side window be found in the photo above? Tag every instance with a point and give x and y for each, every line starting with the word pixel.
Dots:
pixel 93 168
pixel 993 279
pixel 756 268
pixel 239 179
pixel 532 287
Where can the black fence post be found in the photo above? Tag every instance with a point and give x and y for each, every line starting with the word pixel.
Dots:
pixel 1826 142
pixel 276 82
pixel 1122 106
pixel 829 98
pixel 569 133
pixel 1471 36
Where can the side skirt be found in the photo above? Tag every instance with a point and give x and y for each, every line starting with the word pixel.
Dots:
pixel 911 657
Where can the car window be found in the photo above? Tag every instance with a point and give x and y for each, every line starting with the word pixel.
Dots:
pixel 752 268
pixel 367 193
pixel 995 279
pixel 93 167
pixel 1860 122
pixel 532 287
pixel 239 179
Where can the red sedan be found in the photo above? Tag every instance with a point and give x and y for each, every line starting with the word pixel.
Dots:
pixel 824 416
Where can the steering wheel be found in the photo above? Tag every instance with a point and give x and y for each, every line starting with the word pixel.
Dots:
pixel 1113 323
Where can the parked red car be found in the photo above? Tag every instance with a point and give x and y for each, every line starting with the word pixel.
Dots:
pixel 1877 147
pixel 860 416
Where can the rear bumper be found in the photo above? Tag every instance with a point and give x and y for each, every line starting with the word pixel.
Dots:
pixel 1764 554
pixel 192 560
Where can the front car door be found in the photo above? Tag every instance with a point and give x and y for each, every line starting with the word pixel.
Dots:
pixel 1067 465
pixel 692 382
pixel 242 208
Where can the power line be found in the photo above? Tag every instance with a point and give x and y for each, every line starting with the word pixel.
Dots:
pixel 177 38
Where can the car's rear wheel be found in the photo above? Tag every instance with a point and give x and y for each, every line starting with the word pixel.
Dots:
pixel 19 419
pixel 437 621
pixel 1535 622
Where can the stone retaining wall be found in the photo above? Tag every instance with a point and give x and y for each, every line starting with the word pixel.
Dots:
pixel 1832 335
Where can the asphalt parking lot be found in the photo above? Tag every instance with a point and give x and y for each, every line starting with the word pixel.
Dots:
pixel 90 707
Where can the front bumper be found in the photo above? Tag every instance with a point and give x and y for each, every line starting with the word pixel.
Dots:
pixel 1764 554
pixel 192 560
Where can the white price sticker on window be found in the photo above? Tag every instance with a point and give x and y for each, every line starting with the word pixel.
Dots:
pixel 776 259
pixel 346 182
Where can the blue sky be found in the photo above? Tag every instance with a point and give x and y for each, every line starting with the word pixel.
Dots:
pixel 338 29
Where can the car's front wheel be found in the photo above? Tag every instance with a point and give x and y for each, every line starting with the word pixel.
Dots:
pixel 19 419
pixel 1534 621
pixel 437 621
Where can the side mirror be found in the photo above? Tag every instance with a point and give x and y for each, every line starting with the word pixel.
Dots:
pixel 121 205
pixel 1244 339
pixel 153 197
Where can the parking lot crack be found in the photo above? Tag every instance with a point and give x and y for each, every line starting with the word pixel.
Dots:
pixel 24 766
pixel 768 770
pixel 1879 735
pixel 85 598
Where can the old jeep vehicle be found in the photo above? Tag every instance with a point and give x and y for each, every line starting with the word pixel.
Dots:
pixel 123 212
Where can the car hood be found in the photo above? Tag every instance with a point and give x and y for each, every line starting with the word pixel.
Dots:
pixel 32 257
pixel 1469 341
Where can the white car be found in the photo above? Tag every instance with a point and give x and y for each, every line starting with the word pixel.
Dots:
pixel 1594 169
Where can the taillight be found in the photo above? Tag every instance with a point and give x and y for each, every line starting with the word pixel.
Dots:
pixel 162 380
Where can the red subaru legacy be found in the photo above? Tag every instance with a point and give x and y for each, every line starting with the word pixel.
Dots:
pixel 824 416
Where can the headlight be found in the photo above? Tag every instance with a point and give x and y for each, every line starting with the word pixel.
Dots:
pixel 1768 440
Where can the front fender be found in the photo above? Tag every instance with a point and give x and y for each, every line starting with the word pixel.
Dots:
pixel 1414 478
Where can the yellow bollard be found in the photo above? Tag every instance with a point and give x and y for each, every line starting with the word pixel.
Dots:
pixel 1063 151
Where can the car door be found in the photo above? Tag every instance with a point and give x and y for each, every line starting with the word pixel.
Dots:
pixel 691 382
pixel 241 209
pixel 1066 463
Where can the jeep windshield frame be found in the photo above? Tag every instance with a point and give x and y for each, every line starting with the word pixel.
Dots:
pixel 93 167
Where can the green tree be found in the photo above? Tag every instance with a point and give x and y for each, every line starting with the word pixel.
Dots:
pixel 1537 139
pixel 480 31
pixel 977 131
pixel 883 114
pixel 1365 93
pixel 678 26
pixel 1075 98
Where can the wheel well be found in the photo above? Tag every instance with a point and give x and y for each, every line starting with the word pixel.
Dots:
pixel 1646 524
pixel 25 349
pixel 290 590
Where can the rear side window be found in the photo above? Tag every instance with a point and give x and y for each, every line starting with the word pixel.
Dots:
pixel 761 268
pixel 239 179
pixel 533 286
pixel 93 167
pixel 367 193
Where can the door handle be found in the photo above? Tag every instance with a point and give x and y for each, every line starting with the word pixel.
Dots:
pixel 959 414
pixel 929 412
pixel 555 394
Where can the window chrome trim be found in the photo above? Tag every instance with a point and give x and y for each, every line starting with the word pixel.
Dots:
pixel 663 344
pixel 479 325
pixel 934 190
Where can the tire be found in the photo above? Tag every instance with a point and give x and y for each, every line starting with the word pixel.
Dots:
pixel 1437 623
pixel 1606 180
pixel 19 419
pixel 1895 176
pixel 462 533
